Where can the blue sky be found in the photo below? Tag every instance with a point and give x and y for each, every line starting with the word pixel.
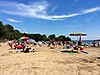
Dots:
pixel 60 17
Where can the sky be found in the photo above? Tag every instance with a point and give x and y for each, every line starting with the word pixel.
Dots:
pixel 59 17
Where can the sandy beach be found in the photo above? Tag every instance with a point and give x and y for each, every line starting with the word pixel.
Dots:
pixel 49 37
pixel 47 61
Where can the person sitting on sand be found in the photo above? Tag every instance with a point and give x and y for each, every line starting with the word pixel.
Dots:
pixel 59 45
pixel 68 46
pixel 40 43
pixel 75 47
pixel 30 47
pixel 82 50
pixel 27 48
pixel 24 45
pixel 10 43
pixel 51 42
pixel 33 47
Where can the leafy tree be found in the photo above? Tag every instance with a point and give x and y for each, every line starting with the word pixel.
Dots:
pixel 31 36
pixel 57 39
pixel 17 34
pixel 44 37
pixel 68 39
pixel 24 34
pixel 7 32
pixel 38 37
pixel 9 28
pixel 62 38
pixel 2 31
pixel 52 36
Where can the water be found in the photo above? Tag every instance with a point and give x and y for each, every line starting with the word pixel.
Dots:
pixel 88 42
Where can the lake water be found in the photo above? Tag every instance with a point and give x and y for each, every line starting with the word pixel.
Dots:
pixel 88 42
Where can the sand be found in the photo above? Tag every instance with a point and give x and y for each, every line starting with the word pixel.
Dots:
pixel 47 61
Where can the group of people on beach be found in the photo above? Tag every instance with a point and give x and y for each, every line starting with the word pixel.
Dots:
pixel 23 46
pixel 65 45
pixel 52 44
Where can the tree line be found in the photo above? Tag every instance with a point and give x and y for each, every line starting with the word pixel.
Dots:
pixel 8 32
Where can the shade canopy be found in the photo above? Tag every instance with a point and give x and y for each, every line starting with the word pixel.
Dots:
pixel 30 41
pixel 78 34
pixel 24 38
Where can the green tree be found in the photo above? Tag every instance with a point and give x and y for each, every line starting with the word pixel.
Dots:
pixel 17 34
pixel 68 39
pixel 9 28
pixel 62 38
pixel 25 34
pixel 38 37
pixel 9 32
pixel 44 37
pixel 31 36
pixel 52 36
pixel 2 31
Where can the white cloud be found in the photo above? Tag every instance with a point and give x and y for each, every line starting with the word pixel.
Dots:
pixel 33 10
pixel 91 10
pixel 13 20
pixel 38 10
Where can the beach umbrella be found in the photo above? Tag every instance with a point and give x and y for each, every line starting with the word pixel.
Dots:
pixel 78 34
pixel 24 38
pixel 30 41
